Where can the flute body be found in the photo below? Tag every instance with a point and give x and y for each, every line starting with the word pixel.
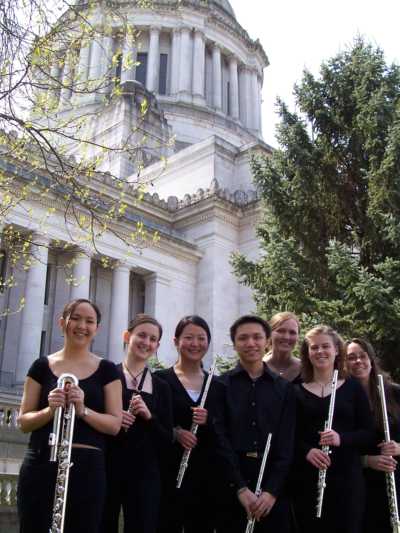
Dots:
pixel 194 428
pixel 252 521
pixel 60 442
pixel 326 449
pixel 390 479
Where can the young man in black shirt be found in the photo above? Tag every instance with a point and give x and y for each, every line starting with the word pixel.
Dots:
pixel 254 402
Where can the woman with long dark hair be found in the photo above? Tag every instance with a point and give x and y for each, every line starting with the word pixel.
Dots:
pixel 133 456
pixel 97 401
pixel 382 458
pixel 190 507
pixel 322 352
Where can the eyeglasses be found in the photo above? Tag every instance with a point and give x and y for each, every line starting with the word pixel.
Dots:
pixel 352 358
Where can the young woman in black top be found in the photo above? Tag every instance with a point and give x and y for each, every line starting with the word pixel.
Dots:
pixel 343 506
pixel 97 400
pixel 133 456
pixel 192 506
pixel 285 329
pixel 382 458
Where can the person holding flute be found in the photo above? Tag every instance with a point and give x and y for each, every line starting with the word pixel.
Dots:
pixel 254 402
pixel 322 351
pixel 382 458
pixel 133 456
pixel 97 401
pixel 190 507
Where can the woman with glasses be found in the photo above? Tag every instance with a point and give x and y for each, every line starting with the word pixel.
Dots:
pixel 382 458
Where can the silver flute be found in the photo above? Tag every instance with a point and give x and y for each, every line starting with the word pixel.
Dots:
pixel 325 448
pixel 194 428
pixel 251 522
pixel 390 479
pixel 60 442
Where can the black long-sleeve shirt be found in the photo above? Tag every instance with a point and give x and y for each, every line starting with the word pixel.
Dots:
pixel 247 411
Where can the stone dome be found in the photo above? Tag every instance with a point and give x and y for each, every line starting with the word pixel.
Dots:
pixel 226 6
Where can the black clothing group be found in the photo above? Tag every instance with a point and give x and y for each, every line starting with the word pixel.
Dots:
pixel 141 465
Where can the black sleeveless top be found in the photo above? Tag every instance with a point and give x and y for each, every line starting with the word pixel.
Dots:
pixel 92 386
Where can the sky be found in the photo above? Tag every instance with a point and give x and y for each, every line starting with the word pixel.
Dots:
pixel 301 34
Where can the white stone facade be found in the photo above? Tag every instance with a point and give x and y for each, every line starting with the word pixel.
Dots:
pixel 203 81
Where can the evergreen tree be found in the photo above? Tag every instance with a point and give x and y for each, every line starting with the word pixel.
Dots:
pixel 330 230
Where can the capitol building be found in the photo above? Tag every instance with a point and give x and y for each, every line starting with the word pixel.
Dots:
pixel 202 77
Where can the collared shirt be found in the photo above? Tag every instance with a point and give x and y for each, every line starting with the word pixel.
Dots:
pixel 247 411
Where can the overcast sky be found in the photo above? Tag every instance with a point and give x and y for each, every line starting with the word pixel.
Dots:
pixel 297 34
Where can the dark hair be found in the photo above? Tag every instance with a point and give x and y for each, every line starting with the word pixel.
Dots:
pixel 70 307
pixel 250 319
pixel 307 371
pixel 142 318
pixel 393 408
pixel 196 321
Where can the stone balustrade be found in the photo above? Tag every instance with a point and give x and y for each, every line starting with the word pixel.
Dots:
pixel 8 489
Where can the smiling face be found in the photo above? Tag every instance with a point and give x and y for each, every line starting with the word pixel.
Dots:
pixel 192 343
pixel 80 326
pixel 322 351
pixel 285 336
pixel 143 341
pixel 357 361
pixel 250 342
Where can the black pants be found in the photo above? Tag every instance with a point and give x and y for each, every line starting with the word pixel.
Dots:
pixel 192 507
pixel 85 497
pixel 232 516
pixel 134 486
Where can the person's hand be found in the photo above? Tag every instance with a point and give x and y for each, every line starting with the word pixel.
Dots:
pixel 56 398
pixel 127 420
pixel 186 438
pixel 329 437
pixel 263 505
pixel 389 448
pixel 200 415
pixel 76 396
pixel 383 463
pixel 318 458
pixel 248 499
pixel 139 407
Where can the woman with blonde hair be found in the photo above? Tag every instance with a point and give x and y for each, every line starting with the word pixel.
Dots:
pixel 285 328
pixel 322 352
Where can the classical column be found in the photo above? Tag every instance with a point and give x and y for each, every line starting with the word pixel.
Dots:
pixel 255 118
pixel 175 53
pixel 66 81
pixel 129 56
pixel 233 88
pixel 260 85
pixel 32 312
pixel 217 77
pixel 153 60
pixel 159 303
pixel 82 72
pixel 199 66
pixel 81 276
pixel 185 64
pixel 119 312
pixel 95 58
pixel 83 65
pixel 244 95
pixel 107 70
